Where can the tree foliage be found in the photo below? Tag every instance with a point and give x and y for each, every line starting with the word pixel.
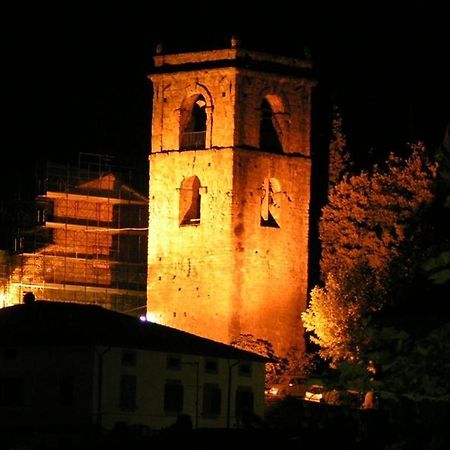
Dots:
pixel 367 227
pixel 413 364
pixel 294 362
pixel 368 215
pixel 339 158
pixel 262 347
pixel 438 265
pixel 337 316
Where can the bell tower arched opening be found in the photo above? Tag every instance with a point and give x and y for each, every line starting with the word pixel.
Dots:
pixel 269 133
pixel 193 123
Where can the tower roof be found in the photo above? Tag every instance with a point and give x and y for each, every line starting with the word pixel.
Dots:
pixel 233 57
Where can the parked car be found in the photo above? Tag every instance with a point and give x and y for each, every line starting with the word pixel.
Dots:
pixel 349 398
pixel 315 393
pixel 285 385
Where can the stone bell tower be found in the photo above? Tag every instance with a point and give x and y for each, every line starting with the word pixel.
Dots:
pixel 230 172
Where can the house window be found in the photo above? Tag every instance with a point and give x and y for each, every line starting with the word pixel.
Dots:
pixel 128 358
pixel 212 400
pixel 245 370
pixel 193 123
pixel 11 391
pixel 269 139
pixel 211 366
pixel 173 396
pixel 270 203
pixel 173 363
pixel 244 401
pixel 190 200
pixel 66 390
pixel 127 397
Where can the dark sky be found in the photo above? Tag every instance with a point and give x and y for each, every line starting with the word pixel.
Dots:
pixel 76 78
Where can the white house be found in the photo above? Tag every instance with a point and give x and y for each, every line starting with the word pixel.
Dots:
pixel 73 365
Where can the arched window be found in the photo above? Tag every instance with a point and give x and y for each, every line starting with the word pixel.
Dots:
pixel 270 203
pixel 269 140
pixel 193 123
pixel 190 201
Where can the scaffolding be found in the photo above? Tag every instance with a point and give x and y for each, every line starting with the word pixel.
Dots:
pixel 89 243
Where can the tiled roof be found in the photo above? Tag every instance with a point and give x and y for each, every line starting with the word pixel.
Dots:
pixel 61 323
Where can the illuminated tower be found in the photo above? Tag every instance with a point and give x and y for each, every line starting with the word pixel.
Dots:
pixel 230 173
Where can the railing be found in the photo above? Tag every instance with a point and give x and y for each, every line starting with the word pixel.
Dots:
pixel 193 140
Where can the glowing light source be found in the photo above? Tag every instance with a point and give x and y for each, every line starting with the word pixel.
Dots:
pixel 151 317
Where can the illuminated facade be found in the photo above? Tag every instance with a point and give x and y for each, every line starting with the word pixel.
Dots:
pixel 230 173
pixel 89 244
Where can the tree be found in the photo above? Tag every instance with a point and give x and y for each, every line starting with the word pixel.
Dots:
pixel 262 347
pixel 366 228
pixel 368 215
pixel 338 316
pixel 339 159
pixel 438 265
pixel 413 364
pixel 295 362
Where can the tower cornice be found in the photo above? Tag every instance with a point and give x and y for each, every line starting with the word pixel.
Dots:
pixel 232 58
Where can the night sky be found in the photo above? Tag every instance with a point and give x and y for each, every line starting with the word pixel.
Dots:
pixel 76 78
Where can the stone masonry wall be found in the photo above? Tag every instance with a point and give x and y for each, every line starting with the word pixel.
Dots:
pixel 271 264
pixel 191 267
